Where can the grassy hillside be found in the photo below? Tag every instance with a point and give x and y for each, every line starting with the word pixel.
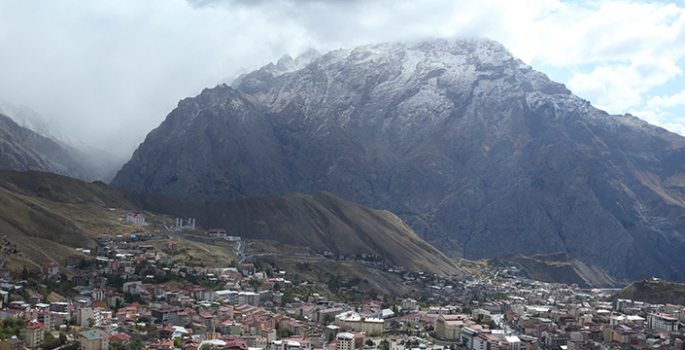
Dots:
pixel 321 221
pixel 654 291
pixel 45 217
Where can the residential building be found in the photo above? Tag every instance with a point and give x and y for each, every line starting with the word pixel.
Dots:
pixel 93 339
pixel 352 321
pixel 88 316
pixel 33 333
pixel 345 341
pixel 448 327
pixel 662 322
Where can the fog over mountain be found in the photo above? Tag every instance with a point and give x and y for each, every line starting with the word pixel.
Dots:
pixel 109 72
pixel 96 164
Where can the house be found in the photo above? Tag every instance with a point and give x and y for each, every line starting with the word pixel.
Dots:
pixel 162 344
pixel 79 280
pixel 408 304
pixel 93 339
pixel 136 218
pixel 105 239
pixel 35 299
pixel 50 269
pixel 12 344
pixel 217 232
pixel 121 338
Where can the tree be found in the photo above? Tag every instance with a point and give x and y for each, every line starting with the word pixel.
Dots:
pixel 10 326
pixel 282 334
pixel 49 341
pixel 256 283
pixel 117 304
pixel 370 342
pixel 62 338
pixel 136 345
pixel 116 346
pixel 328 319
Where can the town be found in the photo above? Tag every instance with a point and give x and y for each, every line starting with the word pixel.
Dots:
pixel 125 294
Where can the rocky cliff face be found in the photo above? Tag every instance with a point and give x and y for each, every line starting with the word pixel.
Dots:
pixel 477 152
pixel 22 149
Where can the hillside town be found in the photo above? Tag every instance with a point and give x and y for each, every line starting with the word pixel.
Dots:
pixel 127 295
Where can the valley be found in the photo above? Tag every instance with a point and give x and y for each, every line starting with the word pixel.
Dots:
pixel 429 195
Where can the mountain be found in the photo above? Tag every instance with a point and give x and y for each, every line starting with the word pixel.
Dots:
pixel 22 149
pixel 558 268
pixel 48 215
pixel 97 164
pixel 480 154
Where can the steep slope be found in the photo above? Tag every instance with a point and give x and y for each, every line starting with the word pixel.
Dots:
pixel 22 149
pixel 97 164
pixel 43 210
pixel 477 152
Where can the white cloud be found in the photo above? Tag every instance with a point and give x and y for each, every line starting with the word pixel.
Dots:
pixel 111 70
pixel 618 88
pixel 667 101
pixel 663 119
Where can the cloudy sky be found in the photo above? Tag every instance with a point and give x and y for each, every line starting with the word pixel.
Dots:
pixel 110 71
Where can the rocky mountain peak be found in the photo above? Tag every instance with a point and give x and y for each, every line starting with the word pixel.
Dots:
pixel 479 153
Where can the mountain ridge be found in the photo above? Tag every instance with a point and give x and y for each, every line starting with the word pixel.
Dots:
pixel 480 154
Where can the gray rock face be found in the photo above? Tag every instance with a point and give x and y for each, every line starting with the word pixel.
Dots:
pixel 22 149
pixel 480 154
